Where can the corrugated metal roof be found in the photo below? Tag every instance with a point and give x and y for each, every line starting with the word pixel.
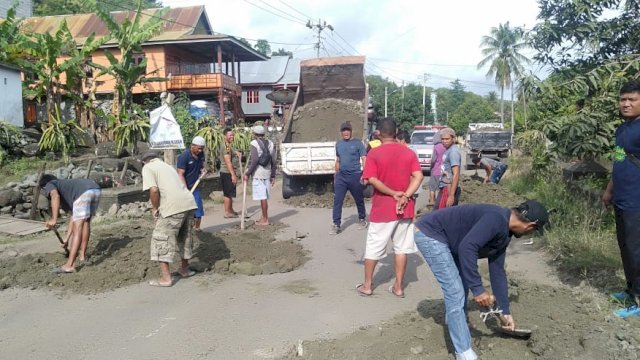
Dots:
pixel 182 21
pixel 264 72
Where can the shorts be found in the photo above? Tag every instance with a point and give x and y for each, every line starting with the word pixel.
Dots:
pixel 434 181
pixel 378 236
pixel 228 187
pixel 261 189
pixel 86 205
pixel 173 235
pixel 198 198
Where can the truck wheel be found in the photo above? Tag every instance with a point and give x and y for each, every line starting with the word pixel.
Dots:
pixel 287 191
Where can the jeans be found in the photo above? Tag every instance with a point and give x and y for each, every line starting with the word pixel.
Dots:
pixel 342 183
pixel 628 234
pixel 438 256
pixel 497 173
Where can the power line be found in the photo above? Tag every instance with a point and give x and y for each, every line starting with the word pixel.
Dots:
pixel 296 10
pixel 193 27
pixel 273 13
pixel 283 12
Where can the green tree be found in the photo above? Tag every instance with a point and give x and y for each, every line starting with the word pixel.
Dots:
pixel 262 46
pixel 585 32
pixel 127 70
pixel 11 39
pixel 502 52
pixel 282 52
pixel 62 7
pixel 474 108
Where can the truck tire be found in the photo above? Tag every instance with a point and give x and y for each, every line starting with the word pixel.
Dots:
pixel 287 191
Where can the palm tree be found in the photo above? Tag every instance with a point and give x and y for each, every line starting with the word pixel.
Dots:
pixel 528 85
pixel 501 50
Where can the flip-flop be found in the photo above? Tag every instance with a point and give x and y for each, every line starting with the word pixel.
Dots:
pixel 394 294
pixel 158 284
pixel 60 270
pixel 232 216
pixel 363 294
pixel 189 274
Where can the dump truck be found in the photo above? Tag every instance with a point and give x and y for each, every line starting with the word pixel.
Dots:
pixel 332 91
pixel 487 140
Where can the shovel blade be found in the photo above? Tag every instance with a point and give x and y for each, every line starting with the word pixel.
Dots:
pixel 524 334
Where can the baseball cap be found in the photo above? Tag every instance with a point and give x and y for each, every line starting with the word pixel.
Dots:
pixel 198 141
pixel 258 130
pixel 535 212
pixel 346 126
pixel 151 154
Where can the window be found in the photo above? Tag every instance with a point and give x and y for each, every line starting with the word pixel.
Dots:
pixel 138 58
pixel 253 96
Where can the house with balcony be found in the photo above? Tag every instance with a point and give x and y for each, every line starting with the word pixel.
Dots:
pixel 277 75
pixel 187 54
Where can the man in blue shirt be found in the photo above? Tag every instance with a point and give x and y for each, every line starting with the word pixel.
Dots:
pixel 190 166
pixel 624 193
pixel 453 239
pixel 350 153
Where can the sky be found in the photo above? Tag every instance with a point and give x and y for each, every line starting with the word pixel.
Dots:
pixel 402 39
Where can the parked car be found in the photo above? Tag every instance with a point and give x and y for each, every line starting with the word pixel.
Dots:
pixel 422 144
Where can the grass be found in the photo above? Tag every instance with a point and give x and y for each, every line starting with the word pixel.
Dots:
pixel 16 169
pixel 581 235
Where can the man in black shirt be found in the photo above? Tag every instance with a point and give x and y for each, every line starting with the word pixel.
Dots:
pixel 81 198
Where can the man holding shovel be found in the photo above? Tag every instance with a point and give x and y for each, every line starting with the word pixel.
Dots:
pixel 81 198
pixel 172 206
pixel 453 239
pixel 190 168
pixel 262 169
pixel 229 164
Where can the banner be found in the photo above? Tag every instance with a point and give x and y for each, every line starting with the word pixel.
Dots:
pixel 165 132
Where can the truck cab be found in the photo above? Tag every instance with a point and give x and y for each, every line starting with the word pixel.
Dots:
pixel 422 145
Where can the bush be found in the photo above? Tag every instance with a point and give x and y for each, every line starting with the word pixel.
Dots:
pixel 581 234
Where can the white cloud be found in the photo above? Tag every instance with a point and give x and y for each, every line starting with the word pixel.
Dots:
pixel 402 39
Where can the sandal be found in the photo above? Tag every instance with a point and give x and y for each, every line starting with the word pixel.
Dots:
pixel 158 284
pixel 59 270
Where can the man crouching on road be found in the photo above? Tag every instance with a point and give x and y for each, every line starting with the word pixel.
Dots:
pixel 173 207
pixel 453 239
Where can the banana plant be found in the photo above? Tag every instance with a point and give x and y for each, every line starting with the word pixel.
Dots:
pixel 60 136
pixel 131 130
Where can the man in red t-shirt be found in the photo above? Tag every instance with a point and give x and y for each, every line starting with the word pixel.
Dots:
pixel 394 172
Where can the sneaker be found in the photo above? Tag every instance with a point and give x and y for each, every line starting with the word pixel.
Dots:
pixel 630 311
pixel 622 297
pixel 335 229
pixel 362 224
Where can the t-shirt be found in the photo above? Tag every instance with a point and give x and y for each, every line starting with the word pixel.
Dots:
pixel 256 170
pixel 70 190
pixel 436 160
pixel 393 164
pixel 349 153
pixel 174 196
pixel 450 159
pixel 473 232
pixel 489 161
pixel 191 165
pixel 226 149
pixel 625 174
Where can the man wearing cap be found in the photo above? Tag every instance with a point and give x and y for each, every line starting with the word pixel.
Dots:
pixel 264 176
pixel 449 186
pixel 623 193
pixel 350 154
pixel 453 239
pixel 172 205
pixel 190 166
pixel 80 197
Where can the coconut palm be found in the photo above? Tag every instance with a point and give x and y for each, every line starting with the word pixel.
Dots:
pixel 501 50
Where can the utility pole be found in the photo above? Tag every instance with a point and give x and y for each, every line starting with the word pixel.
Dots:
pixel 319 26
pixel 386 96
pixel 424 95
pixel 434 99
pixel 402 106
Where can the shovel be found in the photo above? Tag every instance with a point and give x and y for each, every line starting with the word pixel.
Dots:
pixel 495 312
pixel 244 197
pixel 55 231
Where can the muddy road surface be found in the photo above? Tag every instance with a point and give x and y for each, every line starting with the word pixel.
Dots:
pixel 300 303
